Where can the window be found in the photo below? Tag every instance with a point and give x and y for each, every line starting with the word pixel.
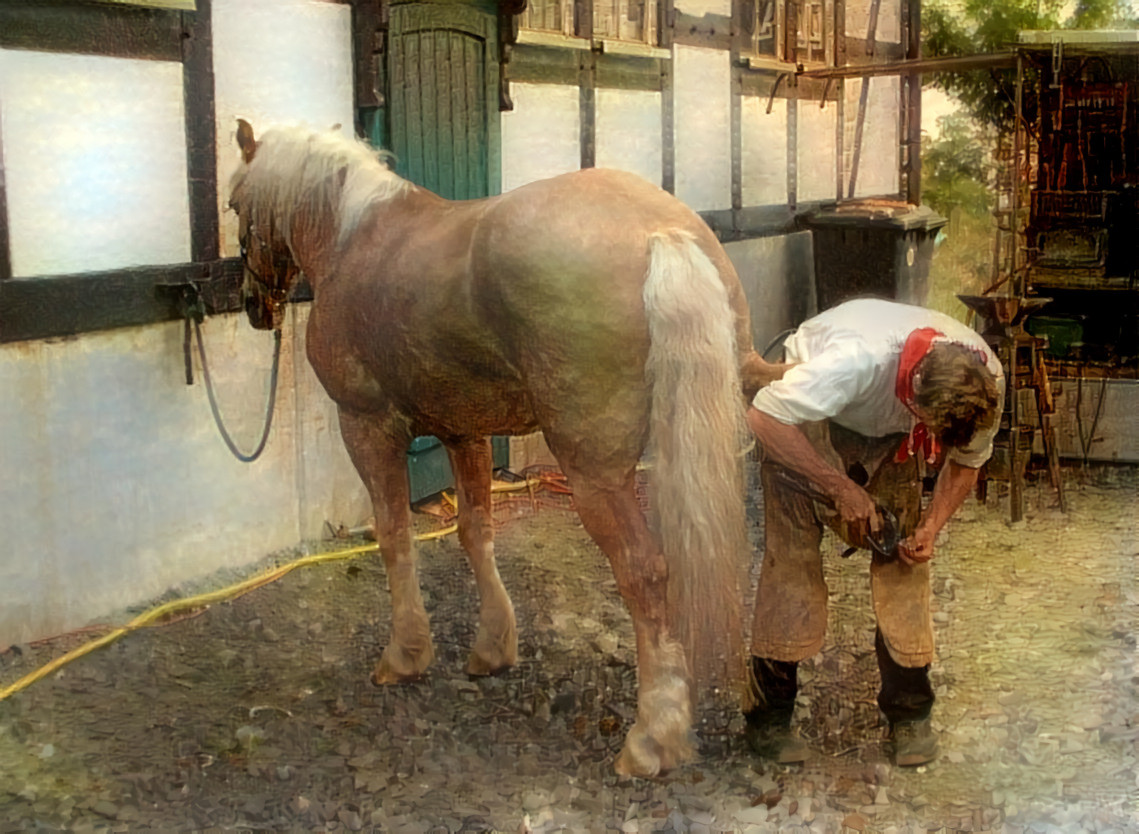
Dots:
pixel 794 31
pixel 114 118
pixel 625 20
pixel 633 21
pixel 95 156
pixel 550 16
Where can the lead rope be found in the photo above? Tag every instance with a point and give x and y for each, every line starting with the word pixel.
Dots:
pixel 237 453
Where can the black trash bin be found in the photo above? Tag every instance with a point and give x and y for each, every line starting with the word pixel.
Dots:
pixel 873 249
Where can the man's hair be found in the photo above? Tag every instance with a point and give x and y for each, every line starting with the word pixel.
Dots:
pixel 957 392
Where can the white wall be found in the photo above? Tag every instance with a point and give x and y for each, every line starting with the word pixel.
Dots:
pixel 778 278
pixel 764 151
pixel 878 161
pixel 702 127
pixel 817 151
pixel 699 8
pixel 541 137
pixel 277 62
pixel 116 484
pixel 889 25
pixel 94 162
pixel 629 132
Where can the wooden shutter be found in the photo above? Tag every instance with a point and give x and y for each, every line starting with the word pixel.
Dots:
pixel 443 77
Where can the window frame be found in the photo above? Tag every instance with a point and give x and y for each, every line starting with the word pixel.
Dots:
pixel 787 52
pixel 44 306
pixel 63 306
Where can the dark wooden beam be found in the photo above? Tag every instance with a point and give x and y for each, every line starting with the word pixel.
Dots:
pixel 111 29
pixel 5 243
pixel 587 108
pixel 201 131
pixel 66 305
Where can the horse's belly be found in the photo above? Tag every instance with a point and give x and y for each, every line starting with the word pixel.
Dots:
pixel 441 404
pixel 465 408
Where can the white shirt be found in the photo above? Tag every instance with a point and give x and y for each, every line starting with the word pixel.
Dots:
pixel 847 366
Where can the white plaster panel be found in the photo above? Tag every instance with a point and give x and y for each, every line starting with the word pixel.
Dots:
pixel 629 132
pixel 699 8
pixel 889 24
pixel 777 277
pixel 94 161
pixel 878 160
pixel 702 96
pixel 816 151
pixel 277 62
pixel 117 485
pixel 764 152
pixel 541 137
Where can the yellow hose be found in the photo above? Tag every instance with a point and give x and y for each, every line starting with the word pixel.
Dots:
pixel 149 617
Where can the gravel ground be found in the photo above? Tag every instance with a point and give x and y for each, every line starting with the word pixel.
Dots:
pixel 257 714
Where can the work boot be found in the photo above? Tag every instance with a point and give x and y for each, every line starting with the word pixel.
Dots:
pixel 768 731
pixel 914 743
pixel 770 737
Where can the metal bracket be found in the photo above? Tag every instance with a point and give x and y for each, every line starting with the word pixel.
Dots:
pixel 191 307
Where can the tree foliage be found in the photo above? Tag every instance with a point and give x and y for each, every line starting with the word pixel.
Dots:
pixel 957 28
pixel 956 167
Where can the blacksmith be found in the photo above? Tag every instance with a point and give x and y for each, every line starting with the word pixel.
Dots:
pixel 874 387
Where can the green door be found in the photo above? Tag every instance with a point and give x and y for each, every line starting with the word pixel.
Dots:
pixel 442 95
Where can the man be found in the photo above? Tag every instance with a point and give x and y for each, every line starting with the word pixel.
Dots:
pixel 873 385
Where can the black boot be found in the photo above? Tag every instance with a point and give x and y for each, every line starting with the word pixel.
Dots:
pixel 906 698
pixel 768 731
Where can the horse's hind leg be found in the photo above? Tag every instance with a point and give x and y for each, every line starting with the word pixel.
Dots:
pixel 379 452
pixel 659 739
pixel 496 646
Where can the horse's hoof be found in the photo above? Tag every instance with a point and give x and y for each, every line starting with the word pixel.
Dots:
pixel 631 763
pixel 479 666
pixel 402 668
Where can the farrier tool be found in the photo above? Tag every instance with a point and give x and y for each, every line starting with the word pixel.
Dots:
pixel 884 545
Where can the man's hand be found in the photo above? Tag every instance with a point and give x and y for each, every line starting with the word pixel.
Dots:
pixel 857 509
pixel 918 547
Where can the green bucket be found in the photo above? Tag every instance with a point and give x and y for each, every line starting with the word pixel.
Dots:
pixel 1061 333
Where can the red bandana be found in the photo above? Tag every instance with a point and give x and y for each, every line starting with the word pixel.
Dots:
pixel 921 439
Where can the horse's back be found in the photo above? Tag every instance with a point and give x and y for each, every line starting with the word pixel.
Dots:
pixel 558 269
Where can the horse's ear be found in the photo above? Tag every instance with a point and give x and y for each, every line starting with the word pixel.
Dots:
pixel 245 140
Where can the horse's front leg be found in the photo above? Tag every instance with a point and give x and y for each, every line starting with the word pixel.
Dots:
pixel 496 645
pixel 660 738
pixel 379 452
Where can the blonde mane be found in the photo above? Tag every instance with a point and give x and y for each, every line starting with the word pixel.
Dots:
pixel 319 177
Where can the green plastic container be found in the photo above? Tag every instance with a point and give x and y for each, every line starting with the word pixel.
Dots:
pixel 1061 333
pixel 429 467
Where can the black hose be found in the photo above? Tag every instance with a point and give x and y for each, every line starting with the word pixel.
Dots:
pixel 777 342
pixel 237 453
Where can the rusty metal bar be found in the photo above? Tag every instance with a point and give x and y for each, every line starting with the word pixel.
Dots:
pixel 1017 284
pixel 859 126
pixel 994 60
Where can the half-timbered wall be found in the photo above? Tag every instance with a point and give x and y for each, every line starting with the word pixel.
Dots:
pixel 115 485
pixel 116 148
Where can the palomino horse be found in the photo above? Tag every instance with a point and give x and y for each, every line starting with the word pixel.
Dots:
pixel 592 306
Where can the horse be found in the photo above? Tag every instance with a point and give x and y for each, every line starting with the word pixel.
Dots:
pixel 592 306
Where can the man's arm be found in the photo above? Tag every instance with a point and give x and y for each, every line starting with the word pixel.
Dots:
pixel 953 486
pixel 787 445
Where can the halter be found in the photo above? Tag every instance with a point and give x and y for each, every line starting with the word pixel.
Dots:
pixel 280 263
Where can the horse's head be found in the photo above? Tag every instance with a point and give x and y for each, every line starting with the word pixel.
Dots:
pixel 270 269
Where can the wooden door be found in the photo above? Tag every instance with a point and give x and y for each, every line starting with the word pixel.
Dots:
pixel 443 94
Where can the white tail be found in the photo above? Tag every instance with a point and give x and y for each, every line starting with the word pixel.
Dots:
pixel 697 431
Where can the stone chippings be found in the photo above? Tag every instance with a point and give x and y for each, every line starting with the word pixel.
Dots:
pixel 258 714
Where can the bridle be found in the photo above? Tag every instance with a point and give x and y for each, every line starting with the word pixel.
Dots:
pixel 280 263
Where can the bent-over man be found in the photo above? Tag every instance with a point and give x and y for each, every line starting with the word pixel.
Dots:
pixel 873 385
